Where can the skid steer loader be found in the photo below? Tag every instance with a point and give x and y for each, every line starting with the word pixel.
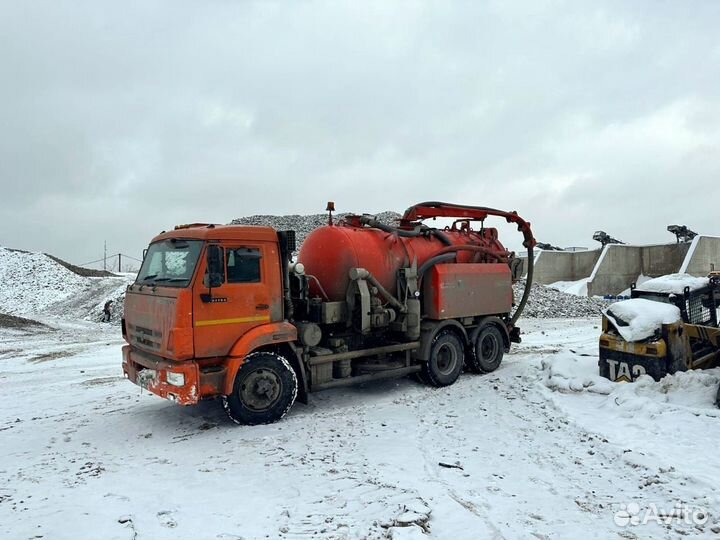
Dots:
pixel 669 324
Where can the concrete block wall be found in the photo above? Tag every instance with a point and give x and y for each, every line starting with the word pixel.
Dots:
pixel 615 267
pixel 620 265
pixel 552 266
pixel 703 256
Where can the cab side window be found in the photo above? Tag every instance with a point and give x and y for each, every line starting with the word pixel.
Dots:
pixel 243 265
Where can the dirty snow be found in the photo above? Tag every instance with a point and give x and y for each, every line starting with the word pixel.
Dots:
pixel 638 319
pixel 87 454
pixel 673 283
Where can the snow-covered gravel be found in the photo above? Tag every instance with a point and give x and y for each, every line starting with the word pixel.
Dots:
pixel 547 303
pixel 305 224
pixel 541 448
pixel 30 282
pixel 35 285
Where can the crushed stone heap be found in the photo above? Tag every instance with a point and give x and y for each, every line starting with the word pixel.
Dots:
pixel 547 303
pixel 304 225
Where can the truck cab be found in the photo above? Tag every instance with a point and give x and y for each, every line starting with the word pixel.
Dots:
pixel 200 289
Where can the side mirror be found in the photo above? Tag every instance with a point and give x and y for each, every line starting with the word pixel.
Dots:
pixel 215 267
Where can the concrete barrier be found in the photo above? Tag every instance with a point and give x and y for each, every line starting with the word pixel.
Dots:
pixel 703 256
pixel 552 266
pixel 620 265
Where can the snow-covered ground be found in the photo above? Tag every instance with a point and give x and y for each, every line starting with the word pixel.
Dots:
pixel 541 448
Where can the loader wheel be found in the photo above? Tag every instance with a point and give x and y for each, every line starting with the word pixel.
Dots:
pixel 446 360
pixel 265 388
pixel 487 351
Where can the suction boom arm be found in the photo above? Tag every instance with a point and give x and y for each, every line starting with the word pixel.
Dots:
pixel 433 209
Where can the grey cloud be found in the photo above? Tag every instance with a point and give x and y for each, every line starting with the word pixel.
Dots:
pixel 119 120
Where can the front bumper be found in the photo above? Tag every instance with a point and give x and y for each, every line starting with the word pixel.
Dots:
pixel 151 372
pixel 623 361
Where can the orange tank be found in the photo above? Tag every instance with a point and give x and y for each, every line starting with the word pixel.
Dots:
pixel 330 252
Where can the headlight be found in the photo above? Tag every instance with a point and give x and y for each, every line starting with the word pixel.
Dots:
pixel 176 379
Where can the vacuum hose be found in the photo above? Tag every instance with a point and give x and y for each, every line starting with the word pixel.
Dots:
pixel 528 286
pixel 424 230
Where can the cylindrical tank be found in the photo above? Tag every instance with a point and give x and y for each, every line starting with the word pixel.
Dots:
pixel 330 252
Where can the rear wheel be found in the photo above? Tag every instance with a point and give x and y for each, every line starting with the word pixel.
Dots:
pixel 446 360
pixel 488 350
pixel 265 388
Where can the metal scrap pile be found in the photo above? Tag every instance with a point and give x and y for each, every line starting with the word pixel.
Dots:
pixel 304 225
pixel 547 303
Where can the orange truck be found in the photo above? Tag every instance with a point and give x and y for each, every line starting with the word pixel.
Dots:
pixel 225 312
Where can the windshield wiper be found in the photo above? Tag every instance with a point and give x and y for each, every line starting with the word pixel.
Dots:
pixel 151 276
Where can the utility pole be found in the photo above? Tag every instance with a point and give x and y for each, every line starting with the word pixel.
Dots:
pixel 105 255
pixel 119 262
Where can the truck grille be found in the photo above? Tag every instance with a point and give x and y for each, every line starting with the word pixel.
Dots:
pixel 145 337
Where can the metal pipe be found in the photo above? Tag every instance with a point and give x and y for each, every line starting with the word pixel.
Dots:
pixel 398 347
pixel 388 374
pixel 322 290
pixel 361 273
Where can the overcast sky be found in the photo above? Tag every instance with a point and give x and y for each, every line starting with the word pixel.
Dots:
pixel 120 119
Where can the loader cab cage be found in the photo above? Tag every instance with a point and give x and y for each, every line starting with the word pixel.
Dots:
pixel 698 307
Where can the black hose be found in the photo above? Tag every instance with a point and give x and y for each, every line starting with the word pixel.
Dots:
pixel 528 286
pixel 423 231
pixel 477 249
pixel 441 236
pixel 437 259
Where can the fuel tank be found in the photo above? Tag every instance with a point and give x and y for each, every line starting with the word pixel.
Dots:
pixel 329 253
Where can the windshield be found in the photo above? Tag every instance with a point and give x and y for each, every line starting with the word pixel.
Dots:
pixel 170 263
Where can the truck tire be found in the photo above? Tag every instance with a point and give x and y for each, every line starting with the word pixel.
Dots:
pixel 265 388
pixel 446 360
pixel 487 350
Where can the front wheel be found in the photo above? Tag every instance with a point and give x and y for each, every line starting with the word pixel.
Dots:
pixel 265 388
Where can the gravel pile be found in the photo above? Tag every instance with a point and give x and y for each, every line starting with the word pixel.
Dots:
pixel 12 321
pixel 547 303
pixel 304 225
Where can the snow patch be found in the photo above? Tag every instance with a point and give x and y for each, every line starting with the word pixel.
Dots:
pixel 566 372
pixel 694 389
pixel 578 288
pixel 637 319
pixel 673 284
